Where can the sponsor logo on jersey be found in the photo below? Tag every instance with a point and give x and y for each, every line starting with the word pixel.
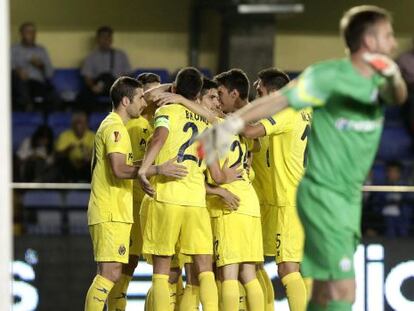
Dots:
pixel 343 124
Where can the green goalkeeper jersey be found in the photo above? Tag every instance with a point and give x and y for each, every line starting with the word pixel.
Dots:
pixel 346 126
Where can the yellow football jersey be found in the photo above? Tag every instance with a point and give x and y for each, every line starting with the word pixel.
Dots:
pixel 111 197
pixel 249 203
pixel 288 131
pixel 183 126
pixel 262 182
pixel 140 131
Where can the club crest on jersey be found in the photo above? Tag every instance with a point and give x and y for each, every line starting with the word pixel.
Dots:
pixel 122 250
pixel 116 136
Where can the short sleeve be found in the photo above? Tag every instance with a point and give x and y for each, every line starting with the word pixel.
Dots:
pixel 116 139
pixel 278 123
pixel 312 88
pixel 47 62
pixel 87 67
pixel 162 117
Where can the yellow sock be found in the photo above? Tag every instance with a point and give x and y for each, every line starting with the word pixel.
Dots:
pixel 191 298
pixel 220 296
pixel 98 293
pixel 173 295
pixel 149 302
pixel 180 293
pixel 117 297
pixel 208 291
pixel 309 287
pixel 295 291
pixel 160 292
pixel 255 299
pixel 268 290
pixel 230 293
pixel 242 298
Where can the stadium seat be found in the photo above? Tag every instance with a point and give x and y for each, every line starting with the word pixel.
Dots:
pixel 78 199
pixel 393 116
pixel 67 83
pixel 95 120
pixel 20 132
pixel 24 124
pixel 395 144
pixel 59 122
pixel 293 74
pixel 206 72
pixel 77 222
pixel 77 219
pixel 44 204
pixel 163 73
pixel 42 199
pixel 27 118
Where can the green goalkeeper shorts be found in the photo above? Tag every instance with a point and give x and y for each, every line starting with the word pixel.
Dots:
pixel 331 225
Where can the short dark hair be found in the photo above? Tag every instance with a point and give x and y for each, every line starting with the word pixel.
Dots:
pixel 273 79
pixel 26 24
pixel 104 29
pixel 123 86
pixel 234 79
pixel 357 20
pixel 208 84
pixel 188 82
pixel 148 77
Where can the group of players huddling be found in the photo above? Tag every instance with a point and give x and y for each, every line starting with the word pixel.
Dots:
pixel 193 175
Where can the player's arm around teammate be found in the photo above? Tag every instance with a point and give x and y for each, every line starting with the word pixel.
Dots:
pixel 110 204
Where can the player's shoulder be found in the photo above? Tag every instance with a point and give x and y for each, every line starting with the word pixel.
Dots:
pixel 112 122
pixel 327 67
pixel 171 108
pixel 135 122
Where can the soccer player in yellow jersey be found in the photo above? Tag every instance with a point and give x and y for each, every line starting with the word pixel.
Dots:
pixel 209 99
pixel 139 129
pixel 177 215
pixel 110 204
pixel 282 229
pixel 238 234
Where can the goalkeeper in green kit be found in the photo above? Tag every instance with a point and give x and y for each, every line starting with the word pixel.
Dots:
pixel 348 97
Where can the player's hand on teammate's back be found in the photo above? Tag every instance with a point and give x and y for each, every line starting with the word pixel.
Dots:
pixel 232 173
pixel 151 94
pixel 166 98
pixel 231 201
pixel 216 140
pixel 383 64
pixel 172 169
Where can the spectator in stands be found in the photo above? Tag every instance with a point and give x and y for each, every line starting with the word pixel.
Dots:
pixel 396 212
pixel 406 63
pixel 74 150
pixel 36 156
pixel 101 68
pixel 31 72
